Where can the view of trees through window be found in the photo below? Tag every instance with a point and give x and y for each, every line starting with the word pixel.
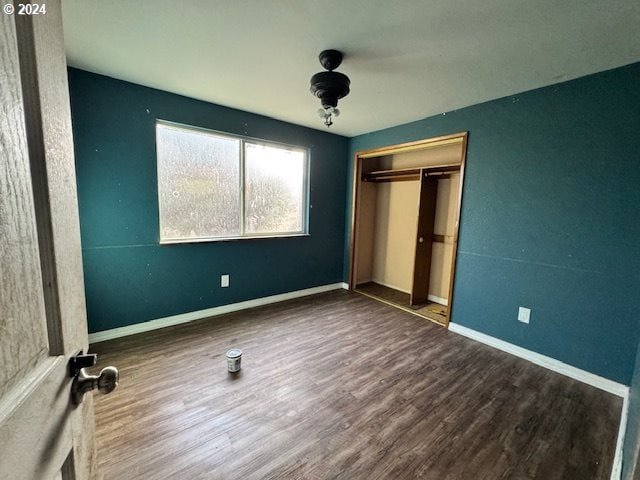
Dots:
pixel 273 189
pixel 213 186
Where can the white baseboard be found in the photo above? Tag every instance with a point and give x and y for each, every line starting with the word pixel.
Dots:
pixel 616 470
pixel 551 363
pixel 576 373
pixel 439 300
pixel 345 285
pixel 389 285
pixel 208 312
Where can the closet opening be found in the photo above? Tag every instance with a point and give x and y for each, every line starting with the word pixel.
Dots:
pixel 405 218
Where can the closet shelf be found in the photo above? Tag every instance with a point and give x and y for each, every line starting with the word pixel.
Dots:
pixel 405 174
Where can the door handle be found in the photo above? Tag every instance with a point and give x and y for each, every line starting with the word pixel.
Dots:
pixel 106 381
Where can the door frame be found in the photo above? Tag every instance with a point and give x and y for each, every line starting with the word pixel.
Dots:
pixel 402 148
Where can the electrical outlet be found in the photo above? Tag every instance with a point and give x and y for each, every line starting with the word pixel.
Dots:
pixel 224 280
pixel 524 314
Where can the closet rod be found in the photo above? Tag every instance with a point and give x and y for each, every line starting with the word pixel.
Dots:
pixel 404 174
pixel 392 178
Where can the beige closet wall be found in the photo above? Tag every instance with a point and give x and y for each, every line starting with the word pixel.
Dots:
pixel 442 155
pixel 366 232
pixel 396 225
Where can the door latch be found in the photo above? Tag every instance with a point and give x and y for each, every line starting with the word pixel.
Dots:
pixel 81 361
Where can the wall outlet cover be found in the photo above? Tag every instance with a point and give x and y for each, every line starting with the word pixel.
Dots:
pixel 224 281
pixel 524 314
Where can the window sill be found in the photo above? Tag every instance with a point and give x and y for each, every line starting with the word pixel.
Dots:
pixel 231 239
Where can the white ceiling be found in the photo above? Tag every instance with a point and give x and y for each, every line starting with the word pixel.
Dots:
pixel 407 59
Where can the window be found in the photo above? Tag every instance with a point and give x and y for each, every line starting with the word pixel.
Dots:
pixel 216 186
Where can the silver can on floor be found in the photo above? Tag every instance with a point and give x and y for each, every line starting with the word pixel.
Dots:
pixel 234 357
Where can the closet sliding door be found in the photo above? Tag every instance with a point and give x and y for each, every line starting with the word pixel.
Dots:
pixel 424 238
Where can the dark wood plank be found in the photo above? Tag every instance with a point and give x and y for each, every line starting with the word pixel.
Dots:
pixel 339 386
pixel 424 235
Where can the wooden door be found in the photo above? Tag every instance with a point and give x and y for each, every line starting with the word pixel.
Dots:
pixel 42 305
pixel 426 219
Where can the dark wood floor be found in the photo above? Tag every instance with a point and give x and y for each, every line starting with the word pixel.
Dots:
pixel 339 386
pixel 429 310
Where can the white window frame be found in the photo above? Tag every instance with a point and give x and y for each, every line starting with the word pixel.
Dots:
pixel 241 186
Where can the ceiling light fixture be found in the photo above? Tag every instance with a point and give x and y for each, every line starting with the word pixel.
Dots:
pixel 330 86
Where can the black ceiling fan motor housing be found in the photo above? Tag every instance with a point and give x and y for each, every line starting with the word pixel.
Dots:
pixel 329 87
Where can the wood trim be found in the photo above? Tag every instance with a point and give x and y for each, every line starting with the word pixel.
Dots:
pixel 355 206
pixel 412 146
pixel 456 229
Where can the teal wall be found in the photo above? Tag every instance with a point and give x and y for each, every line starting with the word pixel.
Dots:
pixel 129 277
pixel 632 436
pixel 550 218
